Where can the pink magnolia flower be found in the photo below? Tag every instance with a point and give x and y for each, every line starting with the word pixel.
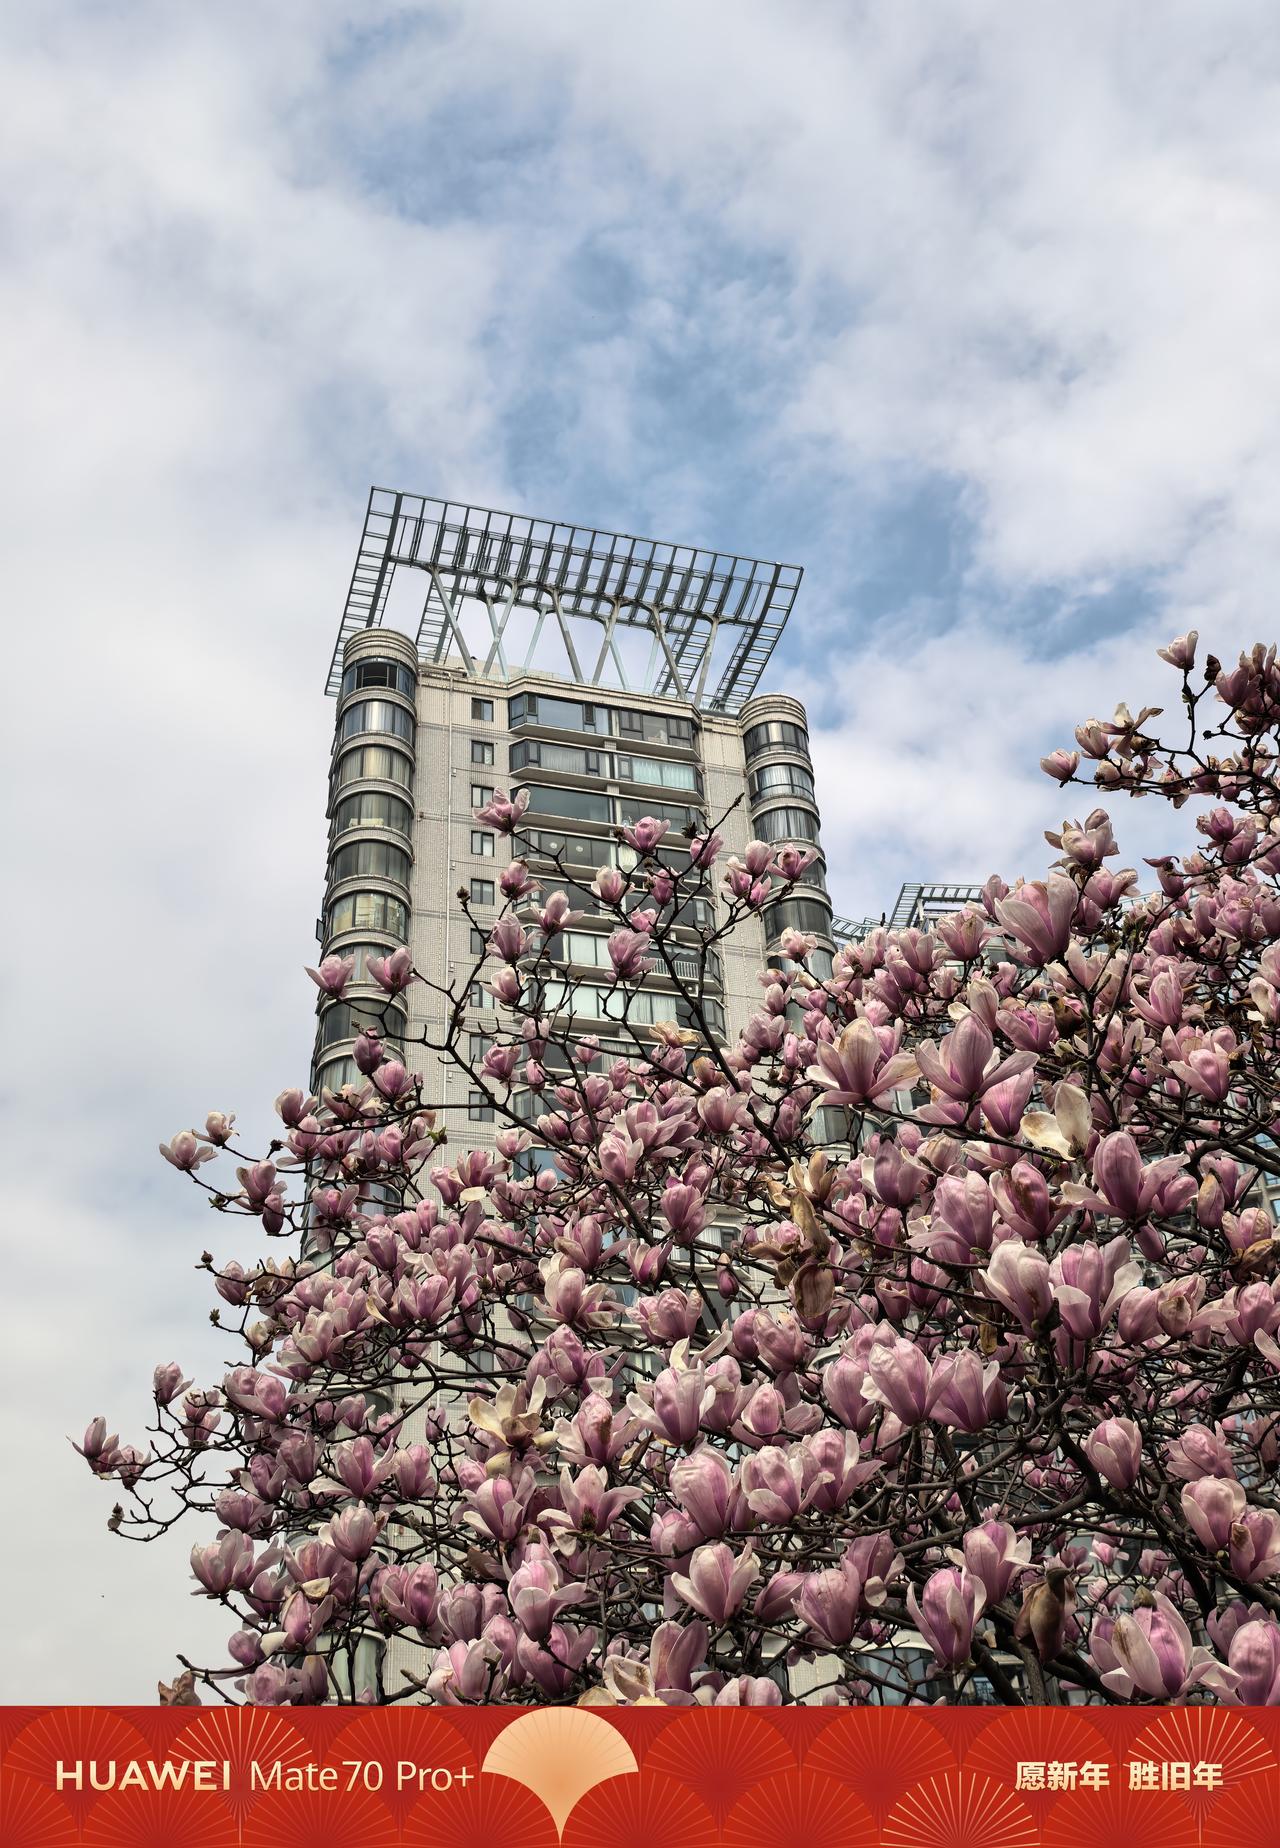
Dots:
pixel 1254 1655
pixel 627 954
pixel 832 1602
pixel 507 940
pixel 967 1064
pixel 947 1612
pixel 1039 916
pixel 556 915
pixel 167 1382
pixel 702 1484
pixel 1181 651
pixel 899 1376
pixel 857 1069
pixel 1115 1450
pixel 1061 765
pixel 610 885
pixel 1019 1278
pixel 185 1152
pixel 1150 1651
pixel 502 812
pixel 645 835
pixel 332 976
pixel 1199 1452
pixel 1212 1505
pixel 1254 1545
pixel 393 973
pixel 964 1393
pixel 717 1580
pixel 514 881
pixel 1089 1282
pixel 994 1555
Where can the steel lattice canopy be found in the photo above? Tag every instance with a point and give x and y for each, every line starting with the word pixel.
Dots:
pixel 712 619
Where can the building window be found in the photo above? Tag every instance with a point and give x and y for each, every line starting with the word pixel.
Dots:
pixel 482 891
pixel 479 942
pixel 803 914
pixel 481 795
pixel 787 824
pixel 376 715
pixel 779 734
pixel 379 674
pixel 344 1019
pixel 479 996
pixel 368 911
pixel 482 843
pixel 482 709
pixel 374 760
pixel 371 808
pixel 481 751
pixel 658 770
pixel 479 1109
pixel 379 858
pixel 477 1045
pixel 635 808
pixel 789 777
pixel 580 804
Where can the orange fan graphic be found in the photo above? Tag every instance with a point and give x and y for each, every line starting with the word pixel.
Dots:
pixel 31 1816
pixel 1121 1818
pixel 1206 1735
pixel 484 1812
pixel 880 1752
pixel 1246 1817
pixel 959 1810
pixel 419 1735
pixel 795 1811
pixel 75 1736
pixel 720 1752
pixel 641 1812
pixel 1043 1734
pixel 159 1819
pixel 241 1736
pixel 560 1753
pixel 284 1820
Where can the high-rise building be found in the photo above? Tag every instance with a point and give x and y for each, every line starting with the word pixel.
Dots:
pixel 610 677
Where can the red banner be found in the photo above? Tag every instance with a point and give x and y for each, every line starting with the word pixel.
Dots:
pixel 503 1777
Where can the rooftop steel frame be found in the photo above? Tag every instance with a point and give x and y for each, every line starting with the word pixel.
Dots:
pixel 917 903
pixel 682 596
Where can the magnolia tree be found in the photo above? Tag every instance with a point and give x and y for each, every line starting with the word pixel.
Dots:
pixel 921 1344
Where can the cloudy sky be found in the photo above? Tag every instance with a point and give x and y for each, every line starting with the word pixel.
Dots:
pixel 971 311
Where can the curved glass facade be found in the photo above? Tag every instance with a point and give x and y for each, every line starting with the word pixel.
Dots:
pixel 376 715
pixel 359 954
pixel 786 824
pixel 370 761
pixel 377 859
pixel 344 1019
pixel 789 779
pixel 774 734
pixel 368 911
pixel 374 673
pixel 797 914
pixel 371 808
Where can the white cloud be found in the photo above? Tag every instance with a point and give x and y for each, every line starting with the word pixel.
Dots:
pixel 257 258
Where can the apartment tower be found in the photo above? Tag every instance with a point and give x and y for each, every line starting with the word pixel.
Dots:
pixel 611 677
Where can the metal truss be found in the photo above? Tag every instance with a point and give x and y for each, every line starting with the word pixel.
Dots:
pixel 591 587
pixel 917 905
